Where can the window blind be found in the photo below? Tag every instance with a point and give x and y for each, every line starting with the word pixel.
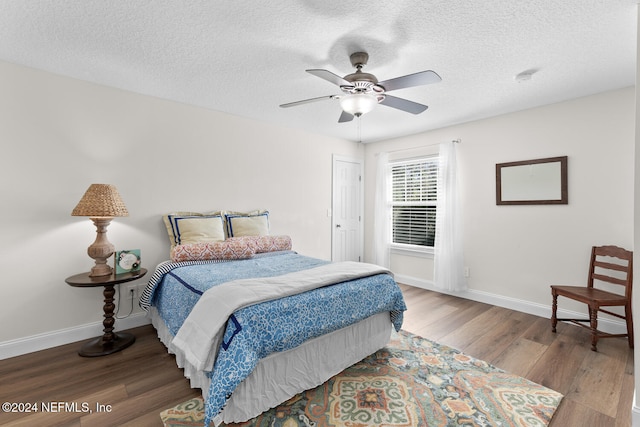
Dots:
pixel 414 199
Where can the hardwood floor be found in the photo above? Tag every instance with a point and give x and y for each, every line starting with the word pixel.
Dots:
pixel 598 387
pixel 137 383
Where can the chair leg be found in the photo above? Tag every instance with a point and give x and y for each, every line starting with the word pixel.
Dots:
pixel 629 319
pixel 554 310
pixel 593 318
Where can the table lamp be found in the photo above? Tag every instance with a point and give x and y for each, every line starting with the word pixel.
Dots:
pixel 101 203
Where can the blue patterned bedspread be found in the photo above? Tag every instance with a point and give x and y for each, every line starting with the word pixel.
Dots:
pixel 176 287
pixel 258 330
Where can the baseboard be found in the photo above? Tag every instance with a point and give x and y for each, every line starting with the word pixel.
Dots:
pixel 39 342
pixel 611 326
pixel 635 412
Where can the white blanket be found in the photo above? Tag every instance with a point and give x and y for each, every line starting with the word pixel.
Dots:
pixel 198 339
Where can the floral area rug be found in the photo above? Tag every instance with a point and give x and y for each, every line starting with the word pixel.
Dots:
pixel 410 382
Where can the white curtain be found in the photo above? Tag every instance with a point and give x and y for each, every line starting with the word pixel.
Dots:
pixel 382 214
pixel 448 260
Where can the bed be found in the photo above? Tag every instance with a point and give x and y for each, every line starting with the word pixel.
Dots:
pixel 253 332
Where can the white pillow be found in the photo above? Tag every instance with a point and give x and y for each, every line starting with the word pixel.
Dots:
pixel 187 229
pixel 247 225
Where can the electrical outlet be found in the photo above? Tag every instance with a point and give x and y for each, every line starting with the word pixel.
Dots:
pixel 467 273
pixel 131 292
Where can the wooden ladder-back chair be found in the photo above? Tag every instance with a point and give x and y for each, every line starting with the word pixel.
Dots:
pixel 609 264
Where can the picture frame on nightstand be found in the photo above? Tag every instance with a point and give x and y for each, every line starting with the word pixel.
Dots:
pixel 127 261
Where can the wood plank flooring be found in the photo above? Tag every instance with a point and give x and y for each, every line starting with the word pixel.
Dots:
pixel 136 384
pixel 598 387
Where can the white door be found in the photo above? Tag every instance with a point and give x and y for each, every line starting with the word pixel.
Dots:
pixel 347 210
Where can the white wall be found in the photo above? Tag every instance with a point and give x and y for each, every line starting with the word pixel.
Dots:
pixel 59 135
pixel 518 251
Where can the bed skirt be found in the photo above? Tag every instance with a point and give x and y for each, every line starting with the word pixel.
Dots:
pixel 280 376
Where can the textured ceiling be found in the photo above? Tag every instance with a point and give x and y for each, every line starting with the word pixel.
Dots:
pixel 247 57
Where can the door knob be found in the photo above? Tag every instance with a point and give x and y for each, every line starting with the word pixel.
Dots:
pixel 338 226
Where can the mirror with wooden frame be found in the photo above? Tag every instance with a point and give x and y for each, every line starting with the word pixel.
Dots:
pixel 532 182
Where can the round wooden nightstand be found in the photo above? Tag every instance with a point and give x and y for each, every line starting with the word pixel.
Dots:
pixel 111 341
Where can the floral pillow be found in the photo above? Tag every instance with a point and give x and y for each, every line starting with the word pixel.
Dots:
pixel 268 243
pixel 229 249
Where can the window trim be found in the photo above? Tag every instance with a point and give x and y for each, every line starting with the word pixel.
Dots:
pixel 405 248
pixel 412 250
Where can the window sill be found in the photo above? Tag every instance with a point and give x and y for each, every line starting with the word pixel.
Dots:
pixel 411 251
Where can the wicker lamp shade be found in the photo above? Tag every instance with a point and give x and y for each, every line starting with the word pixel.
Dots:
pixel 101 200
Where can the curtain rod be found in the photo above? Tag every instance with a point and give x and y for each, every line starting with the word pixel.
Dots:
pixel 456 141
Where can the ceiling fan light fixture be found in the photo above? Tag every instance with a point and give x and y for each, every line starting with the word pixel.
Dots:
pixel 362 91
pixel 358 104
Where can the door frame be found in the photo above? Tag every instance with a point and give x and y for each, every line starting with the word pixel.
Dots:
pixel 339 158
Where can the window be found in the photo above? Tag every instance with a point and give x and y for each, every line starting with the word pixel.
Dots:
pixel 414 196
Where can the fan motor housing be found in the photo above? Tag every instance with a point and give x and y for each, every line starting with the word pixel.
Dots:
pixel 362 82
pixel 362 86
pixel 360 76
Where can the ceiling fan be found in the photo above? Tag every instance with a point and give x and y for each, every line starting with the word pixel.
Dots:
pixel 362 91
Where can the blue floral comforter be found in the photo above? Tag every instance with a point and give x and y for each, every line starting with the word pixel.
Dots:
pixel 255 331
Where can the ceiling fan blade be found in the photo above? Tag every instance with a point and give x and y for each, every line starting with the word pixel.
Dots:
pixel 306 101
pixel 410 80
pixel 329 76
pixel 345 117
pixel 403 104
